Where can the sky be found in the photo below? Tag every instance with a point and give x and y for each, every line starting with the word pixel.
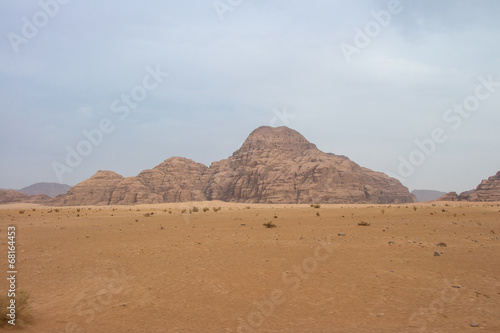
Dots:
pixel 408 88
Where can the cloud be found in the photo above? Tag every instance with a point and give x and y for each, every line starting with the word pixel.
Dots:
pixel 226 77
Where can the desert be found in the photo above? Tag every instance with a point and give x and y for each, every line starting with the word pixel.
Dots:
pixel 214 267
pixel 249 166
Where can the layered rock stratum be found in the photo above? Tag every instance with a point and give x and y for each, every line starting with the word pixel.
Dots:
pixel 488 190
pixel 278 165
pixel 274 165
pixel 177 179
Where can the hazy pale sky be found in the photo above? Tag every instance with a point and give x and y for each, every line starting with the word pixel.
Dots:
pixel 124 85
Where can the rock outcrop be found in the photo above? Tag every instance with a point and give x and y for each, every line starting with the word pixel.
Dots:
pixel 488 190
pixel 278 165
pixel 175 180
pixel 274 165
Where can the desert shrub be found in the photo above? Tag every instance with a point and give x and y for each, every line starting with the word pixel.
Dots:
pixel 183 211
pixel 247 207
pixel 21 211
pixel 269 225
pixel 415 208
pixel 216 209
pixel 317 213
pixel 206 209
pixel 382 211
pixel 316 206
pixel 146 215
pixel 195 209
pixel 57 210
pixel 23 315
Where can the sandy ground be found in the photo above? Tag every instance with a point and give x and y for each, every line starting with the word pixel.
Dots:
pixel 115 269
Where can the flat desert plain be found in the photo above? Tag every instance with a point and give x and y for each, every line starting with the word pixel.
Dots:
pixel 423 267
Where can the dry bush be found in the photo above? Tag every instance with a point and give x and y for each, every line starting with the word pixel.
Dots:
pixel 23 313
pixel 269 225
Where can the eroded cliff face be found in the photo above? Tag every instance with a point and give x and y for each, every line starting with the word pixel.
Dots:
pixel 274 165
pixel 278 165
pixel 487 190
pixel 175 180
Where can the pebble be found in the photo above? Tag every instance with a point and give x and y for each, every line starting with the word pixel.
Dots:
pixel 436 254
pixel 474 324
pixel 391 243
pixel 341 234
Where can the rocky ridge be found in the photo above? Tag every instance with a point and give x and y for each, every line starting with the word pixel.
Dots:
pixel 274 165
pixel 488 190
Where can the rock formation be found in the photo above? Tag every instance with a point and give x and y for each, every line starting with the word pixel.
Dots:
pixel 274 165
pixel 278 165
pixel 175 180
pixel 488 190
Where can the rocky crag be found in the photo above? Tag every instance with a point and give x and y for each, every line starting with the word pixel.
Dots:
pixel 274 165
pixel 488 190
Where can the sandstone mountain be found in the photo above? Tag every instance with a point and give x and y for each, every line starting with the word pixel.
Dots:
pixel 488 190
pixel 11 196
pixel 175 180
pixel 278 165
pixel 274 165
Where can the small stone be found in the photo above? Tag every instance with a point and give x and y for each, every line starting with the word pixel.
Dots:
pixel 87 236
pixel 436 254
pixel 474 324
pixel 391 243
pixel 341 234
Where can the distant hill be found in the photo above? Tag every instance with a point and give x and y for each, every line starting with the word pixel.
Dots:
pixel 10 196
pixel 427 195
pixel 50 189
